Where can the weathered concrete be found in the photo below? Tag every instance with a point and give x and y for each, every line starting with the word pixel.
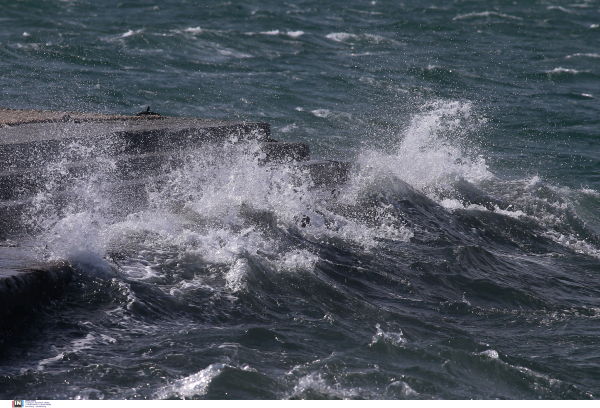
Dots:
pixel 140 147
pixel 36 144
pixel 12 117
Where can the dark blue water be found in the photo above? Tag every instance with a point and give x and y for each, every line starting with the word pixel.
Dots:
pixel 461 260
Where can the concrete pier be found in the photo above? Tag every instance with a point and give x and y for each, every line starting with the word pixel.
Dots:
pixel 32 141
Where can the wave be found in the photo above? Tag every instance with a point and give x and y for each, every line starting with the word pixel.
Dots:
pixel 562 9
pixel 422 228
pixel 227 208
pixel 485 14
pixel 583 55
pixel 567 74
pixel 293 34
pixel 370 38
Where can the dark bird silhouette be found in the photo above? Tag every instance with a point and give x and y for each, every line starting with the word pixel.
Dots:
pixel 147 113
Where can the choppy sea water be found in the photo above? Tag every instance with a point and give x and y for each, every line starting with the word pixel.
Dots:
pixel 461 260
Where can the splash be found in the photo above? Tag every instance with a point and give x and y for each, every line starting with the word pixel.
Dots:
pixel 220 205
pixel 433 152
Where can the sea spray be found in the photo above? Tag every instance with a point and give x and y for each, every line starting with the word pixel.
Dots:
pixel 434 150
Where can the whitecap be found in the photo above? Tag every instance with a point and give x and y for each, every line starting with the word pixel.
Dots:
pixel 561 70
pixel 288 128
pixel 295 34
pixel 321 113
pixel 590 192
pixel 402 388
pixel 314 382
pixel 234 53
pixel 339 37
pixel 493 354
pixel 297 260
pixel 573 242
pixel 516 214
pixel 561 8
pixel 237 273
pixel 397 339
pixel 193 385
pixel 194 30
pixel 485 14
pixel 452 204
pixel 535 182
pixel 583 55
pixel 129 33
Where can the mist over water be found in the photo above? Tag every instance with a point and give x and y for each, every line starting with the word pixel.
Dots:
pixel 460 260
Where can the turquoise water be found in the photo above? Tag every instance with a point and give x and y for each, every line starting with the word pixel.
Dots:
pixel 462 259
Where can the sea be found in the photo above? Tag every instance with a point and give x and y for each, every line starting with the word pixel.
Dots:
pixel 461 259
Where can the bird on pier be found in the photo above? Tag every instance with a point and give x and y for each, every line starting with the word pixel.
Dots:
pixel 147 112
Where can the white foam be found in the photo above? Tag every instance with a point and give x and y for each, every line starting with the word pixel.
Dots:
pixel 295 34
pixel 590 192
pixel 272 32
pixel 485 14
pixel 573 242
pixel 233 53
pixel 373 38
pixel 314 382
pixel 297 260
pixel 517 214
pixel 402 387
pixel 550 212
pixel 533 183
pixel 321 113
pixel 493 354
pixel 339 37
pixel 130 33
pixel 583 55
pixel 396 339
pixel 289 128
pixel 194 30
pixel 194 385
pixel 561 70
pixel 235 276
pixel 561 8
pixel 451 204
pixel 76 346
